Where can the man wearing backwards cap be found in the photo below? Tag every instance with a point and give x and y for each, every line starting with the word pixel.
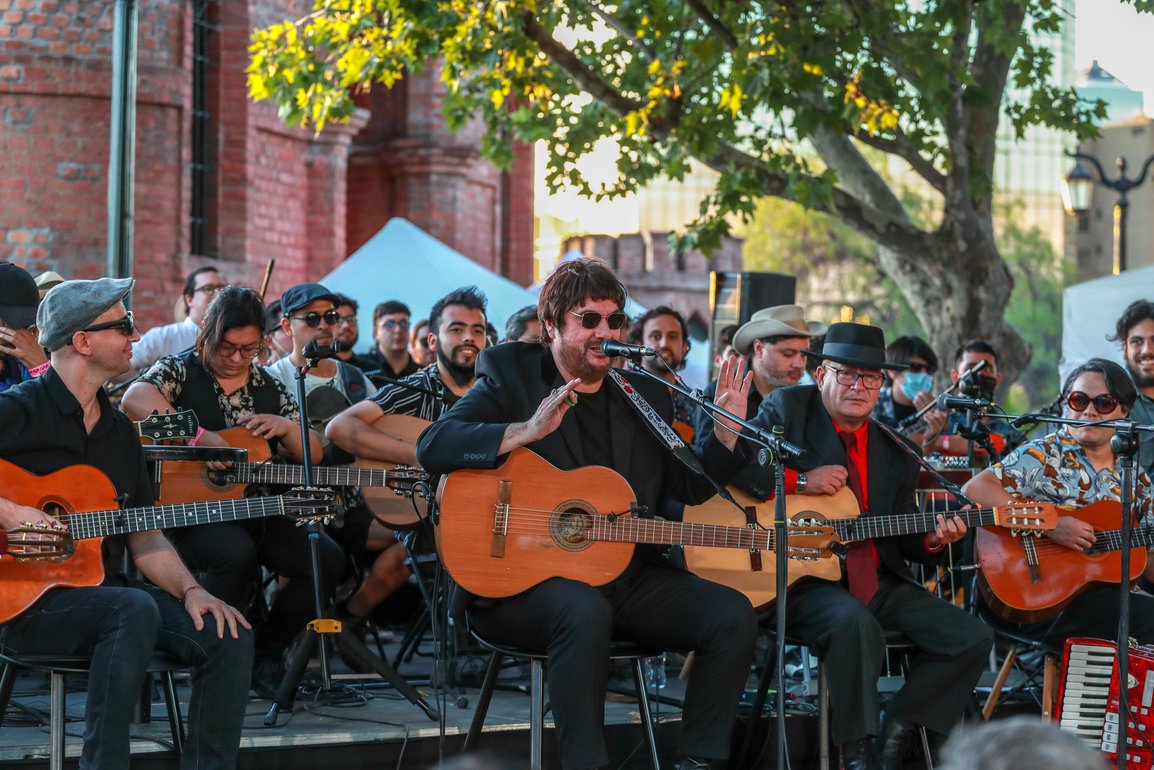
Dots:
pixel 843 622
pixel 61 419
pixel 774 339
pixel 21 356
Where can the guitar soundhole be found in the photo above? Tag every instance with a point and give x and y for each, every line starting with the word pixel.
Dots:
pixel 218 481
pixel 569 525
pixel 59 510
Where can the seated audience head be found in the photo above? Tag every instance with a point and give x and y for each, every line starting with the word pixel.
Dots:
pixel 724 348
pixel 1135 332
pixel 523 326
pixel 582 305
pixel 391 327
pixel 419 344
pixel 663 329
pixel 232 333
pixel 19 297
pixel 1017 743
pixel 850 377
pixel 47 281
pixel 457 332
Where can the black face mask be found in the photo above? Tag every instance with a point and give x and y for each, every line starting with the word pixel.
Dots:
pixel 979 386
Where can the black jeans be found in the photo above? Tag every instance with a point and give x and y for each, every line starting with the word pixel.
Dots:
pixel 119 628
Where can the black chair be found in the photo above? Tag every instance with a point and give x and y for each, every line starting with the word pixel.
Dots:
pixel 618 651
pixel 57 667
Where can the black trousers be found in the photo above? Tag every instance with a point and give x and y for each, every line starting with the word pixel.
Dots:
pixel 1093 614
pixel 656 606
pixel 848 636
pixel 227 557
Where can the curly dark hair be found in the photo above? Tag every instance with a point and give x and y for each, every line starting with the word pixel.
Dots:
pixel 1138 311
pixel 574 281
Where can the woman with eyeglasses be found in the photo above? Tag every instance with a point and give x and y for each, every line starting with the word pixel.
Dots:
pixel 221 382
pixel 1076 466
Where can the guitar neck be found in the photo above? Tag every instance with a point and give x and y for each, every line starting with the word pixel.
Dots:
pixel 870 527
pixel 294 475
pixel 629 529
pixel 82 526
pixel 1111 540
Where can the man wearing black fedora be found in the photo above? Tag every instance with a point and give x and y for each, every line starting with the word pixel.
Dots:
pixel 845 622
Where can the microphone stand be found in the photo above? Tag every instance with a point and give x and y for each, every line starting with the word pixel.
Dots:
pixel 776 448
pixel 1124 445
pixel 322 627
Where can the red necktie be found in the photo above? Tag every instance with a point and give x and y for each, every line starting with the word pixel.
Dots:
pixel 859 562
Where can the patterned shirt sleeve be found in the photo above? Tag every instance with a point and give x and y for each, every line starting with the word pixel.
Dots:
pixel 168 375
pixel 1022 469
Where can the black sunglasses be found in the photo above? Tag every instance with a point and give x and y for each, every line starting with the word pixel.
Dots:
pixel 1103 403
pixel 126 325
pixel 591 319
pixel 313 320
pixel 921 369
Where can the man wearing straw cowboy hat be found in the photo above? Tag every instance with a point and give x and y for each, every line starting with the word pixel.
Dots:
pixel 774 340
pixel 843 622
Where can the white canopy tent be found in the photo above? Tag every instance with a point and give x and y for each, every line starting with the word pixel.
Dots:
pixel 1090 311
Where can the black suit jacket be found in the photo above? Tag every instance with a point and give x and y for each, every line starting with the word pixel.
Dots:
pixel 512 380
pixel 893 474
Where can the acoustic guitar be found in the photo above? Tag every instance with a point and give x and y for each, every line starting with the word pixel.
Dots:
pixel 841 514
pixel 84 500
pixel 1029 579
pixel 504 530
pixel 391 509
pixel 170 425
pixel 185 481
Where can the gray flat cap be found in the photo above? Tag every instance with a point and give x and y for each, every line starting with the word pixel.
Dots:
pixel 73 305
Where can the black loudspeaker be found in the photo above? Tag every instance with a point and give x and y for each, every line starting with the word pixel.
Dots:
pixel 734 297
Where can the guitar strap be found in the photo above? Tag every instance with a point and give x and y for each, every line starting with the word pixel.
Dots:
pixel 666 434
pixel 947 485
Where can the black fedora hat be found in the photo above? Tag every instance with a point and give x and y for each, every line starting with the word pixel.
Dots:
pixel 856 345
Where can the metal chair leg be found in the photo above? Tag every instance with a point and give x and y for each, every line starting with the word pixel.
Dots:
pixel 483 699
pixel 56 721
pixel 536 712
pixel 646 714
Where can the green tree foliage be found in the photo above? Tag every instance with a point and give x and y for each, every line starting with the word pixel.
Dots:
pixel 779 97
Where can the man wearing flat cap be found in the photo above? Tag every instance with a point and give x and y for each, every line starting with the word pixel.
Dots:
pixel 61 419
pixel 21 357
pixel 845 622
pixel 775 340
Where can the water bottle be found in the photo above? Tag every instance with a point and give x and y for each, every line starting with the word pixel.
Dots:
pixel 655 672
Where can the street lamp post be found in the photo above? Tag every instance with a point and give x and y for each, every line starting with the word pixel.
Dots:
pixel 1078 189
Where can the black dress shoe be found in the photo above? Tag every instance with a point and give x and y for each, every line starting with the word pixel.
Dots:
pixel 693 763
pixel 860 755
pixel 892 741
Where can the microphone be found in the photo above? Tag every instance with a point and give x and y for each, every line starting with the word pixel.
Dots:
pixel 946 402
pixel 981 365
pixel 315 352
pixel 612 348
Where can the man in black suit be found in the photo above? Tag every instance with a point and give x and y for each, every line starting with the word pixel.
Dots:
pixel 843 622
pixel 563 401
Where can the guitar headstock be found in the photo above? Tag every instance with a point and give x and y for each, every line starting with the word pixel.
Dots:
pixel 305 504
pixel 172 425
pixel 1028 516
pixel 404 477
pixel 810 542
pixel 39 542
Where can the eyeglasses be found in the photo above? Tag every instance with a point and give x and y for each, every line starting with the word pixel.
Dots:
pixel 396 324
pixel 210 288
pixel 348 319
pixel 590 319
pixel 1103 403
pixel 313 320
pixel 126 326
pixel 921 369
pixel 247 352
pixel 847 378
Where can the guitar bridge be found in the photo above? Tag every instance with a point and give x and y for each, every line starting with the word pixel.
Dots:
pixel 751 523
pixel 501 519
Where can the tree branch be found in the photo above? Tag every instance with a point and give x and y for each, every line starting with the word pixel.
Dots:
pixel 622 29
pixel 901 147
pixel 714 23
pixel 990 71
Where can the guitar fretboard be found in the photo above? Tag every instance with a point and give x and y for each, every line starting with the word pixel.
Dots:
pixel 1111 539
pixel 869 527
pixel 627 529
pixel 294 475
pixel 90 524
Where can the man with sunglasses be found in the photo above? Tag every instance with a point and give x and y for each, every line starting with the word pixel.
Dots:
pixel 200 286
pixel 564 401
pixel 21 357
pixel 64 419
pixel 390 355
pixel 845 623
pixel 1075 466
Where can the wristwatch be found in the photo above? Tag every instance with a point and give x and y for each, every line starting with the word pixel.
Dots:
pixel 802 480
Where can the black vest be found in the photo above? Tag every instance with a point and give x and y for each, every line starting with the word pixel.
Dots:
pixel 199 394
